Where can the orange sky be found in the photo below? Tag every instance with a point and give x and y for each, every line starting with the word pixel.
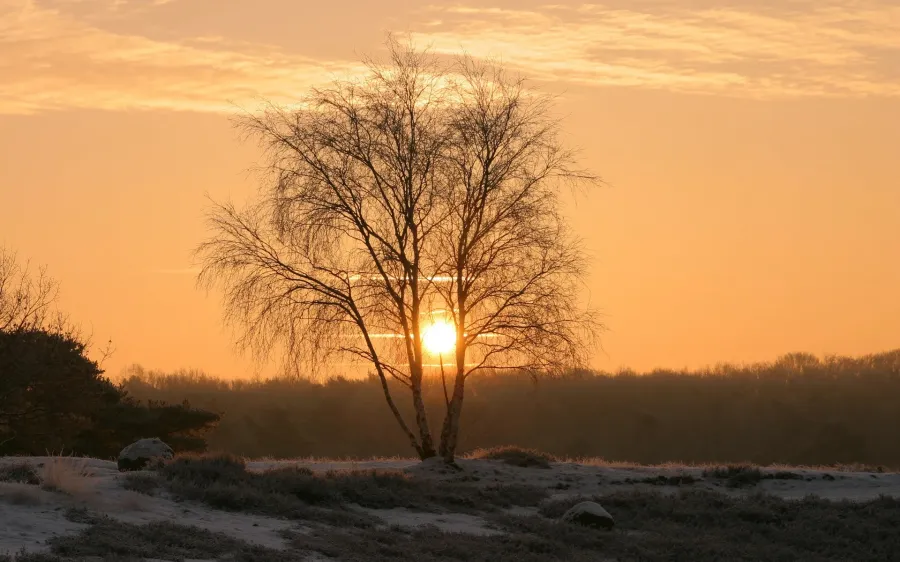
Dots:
pixel 751 151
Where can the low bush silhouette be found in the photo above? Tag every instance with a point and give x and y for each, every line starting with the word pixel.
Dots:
pixel 515 456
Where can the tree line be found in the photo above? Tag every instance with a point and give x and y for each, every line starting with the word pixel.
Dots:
pixel 798 409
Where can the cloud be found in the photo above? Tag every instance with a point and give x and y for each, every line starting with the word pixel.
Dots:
pixel 53 60
pixel 63 54
pixel 850 48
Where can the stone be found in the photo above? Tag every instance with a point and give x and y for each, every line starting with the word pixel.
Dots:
pixel 589 514
pixel 140 454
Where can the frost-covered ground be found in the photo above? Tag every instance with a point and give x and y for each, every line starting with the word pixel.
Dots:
pixel 75 494
pixel 598 477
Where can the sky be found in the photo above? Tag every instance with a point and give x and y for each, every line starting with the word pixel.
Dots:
pixel 751 204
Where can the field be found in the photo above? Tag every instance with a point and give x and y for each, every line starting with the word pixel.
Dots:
pixel 496 505
pixel 794 460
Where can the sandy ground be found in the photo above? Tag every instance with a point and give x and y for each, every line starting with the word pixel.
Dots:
pixel 29 515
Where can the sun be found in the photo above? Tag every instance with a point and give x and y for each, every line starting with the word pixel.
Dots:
pixel 439 337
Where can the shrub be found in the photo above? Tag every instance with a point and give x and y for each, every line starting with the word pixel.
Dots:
pixel 515 456
pixel 736 476
pixel 21 472
pixel 141 483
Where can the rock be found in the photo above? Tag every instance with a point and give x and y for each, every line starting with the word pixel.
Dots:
pixel 589 514
pixel 142 452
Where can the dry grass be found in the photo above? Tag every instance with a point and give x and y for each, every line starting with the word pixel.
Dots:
pixel 68 475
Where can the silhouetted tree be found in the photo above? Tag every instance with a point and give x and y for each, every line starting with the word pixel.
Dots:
pixel 422 190
pixel 53 397
pixel 48 390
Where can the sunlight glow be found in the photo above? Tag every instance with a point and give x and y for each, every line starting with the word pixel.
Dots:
pixel 439 337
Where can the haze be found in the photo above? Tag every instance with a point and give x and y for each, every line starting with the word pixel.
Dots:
pixel 750 154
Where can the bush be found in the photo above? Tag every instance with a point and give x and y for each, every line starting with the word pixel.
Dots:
pixel 141 483
pixel 515 456
pixel 21 472
pixel 736 476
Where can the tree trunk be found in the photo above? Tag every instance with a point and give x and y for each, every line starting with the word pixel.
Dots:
pixel 450 429
pixel 399 417
pixel 426 442
pixel 392 405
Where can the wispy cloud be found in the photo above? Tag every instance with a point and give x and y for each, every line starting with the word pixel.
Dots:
pixel 50 59
pixel 816 48
pixel 56 54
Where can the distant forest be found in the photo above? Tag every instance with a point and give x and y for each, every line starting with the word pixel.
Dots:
pixel 797 410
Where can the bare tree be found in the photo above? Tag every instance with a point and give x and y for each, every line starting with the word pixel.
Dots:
pixel 27 301
pixel 423 188
pixel 511 267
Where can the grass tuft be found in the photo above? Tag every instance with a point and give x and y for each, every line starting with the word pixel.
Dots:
pixel 21 472
pixel 68 475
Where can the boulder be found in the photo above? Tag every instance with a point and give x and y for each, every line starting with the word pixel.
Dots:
pixel 589 514
pixel 142 453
